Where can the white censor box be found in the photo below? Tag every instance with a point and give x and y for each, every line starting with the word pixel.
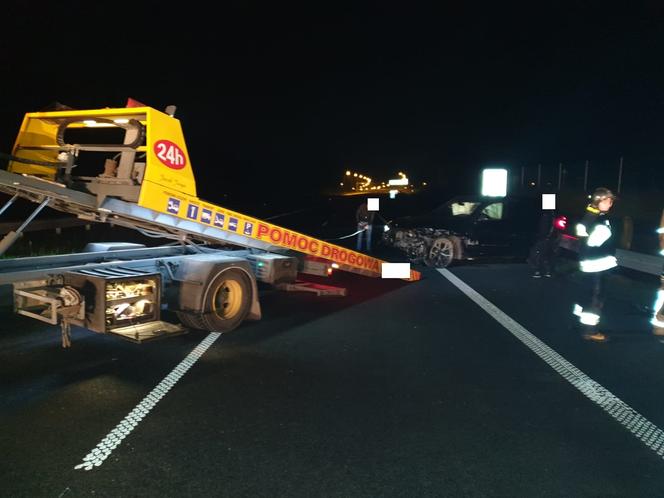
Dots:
pixel 395 270
pixel 372 204
pixel 548 201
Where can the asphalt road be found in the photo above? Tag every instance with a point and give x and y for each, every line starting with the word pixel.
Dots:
pixel 399 389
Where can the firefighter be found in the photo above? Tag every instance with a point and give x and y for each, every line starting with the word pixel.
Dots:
pixel 657 320
pixel 596 259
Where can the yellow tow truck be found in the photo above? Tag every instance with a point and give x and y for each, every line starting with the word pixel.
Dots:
pixel 144 180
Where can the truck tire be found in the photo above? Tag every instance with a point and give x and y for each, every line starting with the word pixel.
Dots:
pixel 441 253
pixel 227 301
pixel 190 320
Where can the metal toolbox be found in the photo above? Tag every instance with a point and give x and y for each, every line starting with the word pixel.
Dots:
pixel 117 297
pixel 273 268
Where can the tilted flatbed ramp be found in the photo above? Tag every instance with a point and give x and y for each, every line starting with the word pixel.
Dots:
pixel 158 195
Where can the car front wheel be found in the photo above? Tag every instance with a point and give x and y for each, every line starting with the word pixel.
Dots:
pixel 441 253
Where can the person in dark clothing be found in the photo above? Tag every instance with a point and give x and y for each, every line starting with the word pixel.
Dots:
pixel 543 253
pixel 364 219
pixel 596 259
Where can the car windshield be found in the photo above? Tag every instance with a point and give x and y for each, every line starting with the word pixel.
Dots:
pixel 457 208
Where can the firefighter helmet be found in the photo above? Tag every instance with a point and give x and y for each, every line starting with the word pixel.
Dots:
pixel 600 194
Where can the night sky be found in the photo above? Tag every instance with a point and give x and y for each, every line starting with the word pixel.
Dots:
pixel 303 92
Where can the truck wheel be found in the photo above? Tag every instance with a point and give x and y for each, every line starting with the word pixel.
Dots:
pixel 190 320
pixel 227 301
pixel 441 253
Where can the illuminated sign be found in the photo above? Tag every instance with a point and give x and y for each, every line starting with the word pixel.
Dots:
pixel 494 182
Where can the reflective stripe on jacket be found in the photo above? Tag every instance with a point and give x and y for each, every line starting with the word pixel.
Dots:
pixel 597 251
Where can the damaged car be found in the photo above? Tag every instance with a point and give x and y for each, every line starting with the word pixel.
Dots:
pixel 466 228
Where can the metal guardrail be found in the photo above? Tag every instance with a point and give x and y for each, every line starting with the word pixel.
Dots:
pixel 646 263
pixel 638 261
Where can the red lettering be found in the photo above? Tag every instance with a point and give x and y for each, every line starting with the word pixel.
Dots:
pixel 289 239
pixel 335 253
pixel 325 252
pixel 313 246
pixel 275 235
pixel 302 244
pixel 262 230
pixel 360 260
pixel 351 258
pixel 343 255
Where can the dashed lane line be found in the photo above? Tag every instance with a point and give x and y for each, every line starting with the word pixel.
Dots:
pixel 101 452
pixel 644 430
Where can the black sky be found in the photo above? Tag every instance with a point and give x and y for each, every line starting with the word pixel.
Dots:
pixel 310 90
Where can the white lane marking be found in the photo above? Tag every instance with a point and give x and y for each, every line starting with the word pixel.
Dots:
pixel 101 452
pixel 651 435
